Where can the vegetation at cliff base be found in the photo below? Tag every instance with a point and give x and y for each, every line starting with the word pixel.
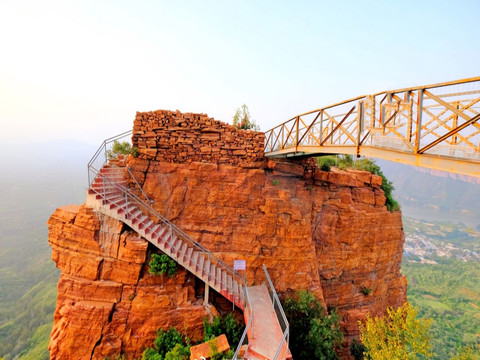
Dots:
pixel 447 291
pixel 398 335
pixel 347 162
pixel 314 334
pixel 169 345
pixel 172 345
pixel 232 328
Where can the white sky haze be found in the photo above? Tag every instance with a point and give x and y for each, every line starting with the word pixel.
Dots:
pixel 82 69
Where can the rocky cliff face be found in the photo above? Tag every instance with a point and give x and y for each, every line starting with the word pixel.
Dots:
pixel 107 302
pixel 328 232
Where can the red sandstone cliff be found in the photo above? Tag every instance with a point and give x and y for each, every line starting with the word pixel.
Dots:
pixel 327 232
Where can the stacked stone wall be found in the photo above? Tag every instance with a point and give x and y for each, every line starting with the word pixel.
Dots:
pixel 184 138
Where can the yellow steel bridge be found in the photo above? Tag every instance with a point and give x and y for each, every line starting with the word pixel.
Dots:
pixel 434 126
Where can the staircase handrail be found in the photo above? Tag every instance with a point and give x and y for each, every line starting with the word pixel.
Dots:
pixel 242 339
pixel 103 149
pixel 141 189
pixel 276 301
pixel 150 210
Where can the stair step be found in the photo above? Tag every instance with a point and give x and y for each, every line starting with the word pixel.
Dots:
pixel 158 234
pixel 170 242
pixel 201 260
pixel 188 255
pixel 229 284
pixel 137 220
pixel 193 259
pixel 218 278
pixel 152 228
pixel 208 268
pixel 100 185
pixel 104 195
pixel 181 252
pixel 211 272
pixel 235 288
pixel 176 246
pixel 224 281
pixel 145 223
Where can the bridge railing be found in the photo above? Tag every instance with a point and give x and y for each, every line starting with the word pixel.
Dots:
pixel 440 119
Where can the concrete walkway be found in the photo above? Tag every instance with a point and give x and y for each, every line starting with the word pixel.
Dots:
pixel 266 329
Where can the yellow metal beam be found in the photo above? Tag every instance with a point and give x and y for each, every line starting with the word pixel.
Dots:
pixel 471 168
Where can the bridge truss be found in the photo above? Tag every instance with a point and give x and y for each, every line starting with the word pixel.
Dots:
pixel 434 126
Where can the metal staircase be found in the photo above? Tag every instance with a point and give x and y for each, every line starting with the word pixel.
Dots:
pixel 109 194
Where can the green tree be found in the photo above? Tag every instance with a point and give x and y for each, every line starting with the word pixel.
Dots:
pixel 397 336
pixel 162 264
pixel 229 326
pixel 120 148
pixel 314 334
pixel 178 352
pixel 243 120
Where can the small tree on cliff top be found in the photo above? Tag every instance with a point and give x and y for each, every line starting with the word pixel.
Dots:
pixel 397 336
pixel 243 120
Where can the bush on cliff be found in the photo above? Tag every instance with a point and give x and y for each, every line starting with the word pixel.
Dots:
pixel 314 334
pixel 162 264
pixel 229 326
pixel 169 345
pixel 119 148
pixel 243 120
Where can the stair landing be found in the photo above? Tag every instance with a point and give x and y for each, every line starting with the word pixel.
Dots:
pixel 266 329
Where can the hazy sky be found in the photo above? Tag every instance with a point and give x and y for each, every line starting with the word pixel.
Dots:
pixel 82 69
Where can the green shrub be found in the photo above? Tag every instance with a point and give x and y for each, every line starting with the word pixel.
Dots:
pixel 357 349
pixel 325 162
pixel 169 345
pixel 314 334
pixel 345 162
pixel 366 291
pixel 151 354
pixel 233 329
pixel 134 152
pixel 229 326
pixel 275 182
pixel 179 352
pixel 118 357
pixel 161 264
pixel 119 148
pixel 243 120
pixel 212 329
